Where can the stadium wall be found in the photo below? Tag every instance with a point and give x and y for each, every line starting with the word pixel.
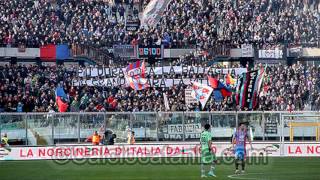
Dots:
pixel 61 52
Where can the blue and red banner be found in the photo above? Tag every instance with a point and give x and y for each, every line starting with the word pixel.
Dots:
pixel 52 52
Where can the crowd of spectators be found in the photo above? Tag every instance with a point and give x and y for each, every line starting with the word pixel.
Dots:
pixel 38 22
pixel 290 88
pixel 204 24
pixel 208 23
pixel 32 89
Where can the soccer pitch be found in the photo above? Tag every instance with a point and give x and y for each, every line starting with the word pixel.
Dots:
pixel 274 169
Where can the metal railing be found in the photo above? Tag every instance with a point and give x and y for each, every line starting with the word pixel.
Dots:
pixel 95 54
pixel 53 128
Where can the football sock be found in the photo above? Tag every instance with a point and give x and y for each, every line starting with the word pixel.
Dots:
pixel 243 165
pixel 212 168
pixel 202 169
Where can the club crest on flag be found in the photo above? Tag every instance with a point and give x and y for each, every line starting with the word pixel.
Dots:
pixel 201 93
pixel 136 76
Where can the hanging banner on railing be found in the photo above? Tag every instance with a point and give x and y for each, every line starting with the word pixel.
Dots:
pixel 114 82
pixel 294 52
pixel 247 50
pixel 51 52
pixel 63 52
pixel 126 51
pixel 115 77
pixel 90 72
pixel 48 52
pixel 175 131
pixel 132 25
pixel 271 54
pixel 271 125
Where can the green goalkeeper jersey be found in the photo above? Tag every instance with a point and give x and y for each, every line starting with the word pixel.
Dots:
pixel 207 156
pixel 205 138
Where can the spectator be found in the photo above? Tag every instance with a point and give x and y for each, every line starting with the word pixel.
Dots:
pixel 112 139
pixel 5 142
pixel 95 138
pixel 131 139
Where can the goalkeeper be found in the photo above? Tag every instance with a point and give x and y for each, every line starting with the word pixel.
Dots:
pixel 207 156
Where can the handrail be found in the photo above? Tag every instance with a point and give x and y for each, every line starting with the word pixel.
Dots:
pixel 95 54
pixel 160 112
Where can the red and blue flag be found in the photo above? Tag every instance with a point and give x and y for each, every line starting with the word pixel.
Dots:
pixel 220 90
pixel 136 75
pixel 61 99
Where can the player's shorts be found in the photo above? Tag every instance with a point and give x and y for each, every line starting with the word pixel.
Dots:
pixel 240 153
pixel 207 157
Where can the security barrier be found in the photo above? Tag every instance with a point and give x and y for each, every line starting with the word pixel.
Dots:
pixel 54 128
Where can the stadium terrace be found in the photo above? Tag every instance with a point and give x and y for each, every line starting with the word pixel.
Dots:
pixel 160 89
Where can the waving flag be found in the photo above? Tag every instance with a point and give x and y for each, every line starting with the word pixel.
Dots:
pixel 60 92
pixel 219 87
pixel 201 92
pixel 230 80
pixel 248 89
pixel 166 102
pixel 135 75
pixel 61 99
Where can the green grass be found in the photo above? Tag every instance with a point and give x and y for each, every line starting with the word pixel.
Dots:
pixel 275 169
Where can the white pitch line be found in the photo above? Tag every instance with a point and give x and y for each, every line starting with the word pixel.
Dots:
pixel 236 176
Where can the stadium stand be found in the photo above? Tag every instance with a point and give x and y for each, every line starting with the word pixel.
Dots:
pixel 184 23
pixel 32 89
pixel 40 22
pixel 203 24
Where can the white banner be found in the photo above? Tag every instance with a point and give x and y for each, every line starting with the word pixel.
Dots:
pixel 302 150
pixel 271 54
pixel 103 72
pixel 246 50
pixel 129 151
pixel 175 131
pixel 188 98
pixel 113 82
